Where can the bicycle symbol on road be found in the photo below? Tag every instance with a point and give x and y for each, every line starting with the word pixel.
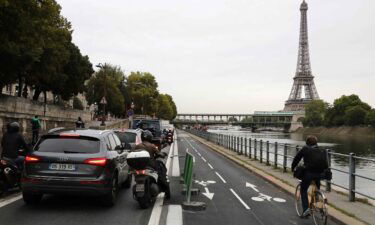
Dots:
pixel 262 197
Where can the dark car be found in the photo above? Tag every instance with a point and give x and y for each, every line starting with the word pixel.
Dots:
pixel 129 137
pixel 153 125
pixel 82 162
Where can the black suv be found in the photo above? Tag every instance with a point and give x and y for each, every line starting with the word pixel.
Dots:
pixel 83 162
pixel 154 126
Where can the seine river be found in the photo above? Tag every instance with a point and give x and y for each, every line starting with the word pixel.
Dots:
pixel 363 147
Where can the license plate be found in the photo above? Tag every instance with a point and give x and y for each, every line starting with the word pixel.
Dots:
pixel 140 188
pixel 58 166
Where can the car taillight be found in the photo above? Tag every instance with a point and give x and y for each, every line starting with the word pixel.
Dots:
pixel 31 159
pixel 96 161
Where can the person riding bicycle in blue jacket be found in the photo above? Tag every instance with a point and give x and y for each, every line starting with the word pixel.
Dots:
pixel 315 163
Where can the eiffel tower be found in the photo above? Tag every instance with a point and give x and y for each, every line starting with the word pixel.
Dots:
pixel 303 90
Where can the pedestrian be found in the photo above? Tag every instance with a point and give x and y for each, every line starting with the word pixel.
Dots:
pixel 35 127
pixel 80 123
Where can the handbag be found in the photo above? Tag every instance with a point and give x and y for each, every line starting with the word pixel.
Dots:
pixel 299 172
pixel 327 173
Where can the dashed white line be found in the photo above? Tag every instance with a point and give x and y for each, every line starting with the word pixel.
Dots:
pixel 10 199
pixel 174 216
pixel 199 154
pixel 222 179
pixel 204 159
pixel 156 210
pixel 238 197
pixel 210 166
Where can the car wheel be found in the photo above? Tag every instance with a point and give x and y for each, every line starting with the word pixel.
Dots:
pixel 31 199
pixel 110 198
pixel 127 184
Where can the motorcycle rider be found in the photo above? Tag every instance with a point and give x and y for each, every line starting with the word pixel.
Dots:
pixel 159 166
pixel 315 162
pixel 12 142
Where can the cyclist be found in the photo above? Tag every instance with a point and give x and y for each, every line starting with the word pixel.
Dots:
pixel 315 162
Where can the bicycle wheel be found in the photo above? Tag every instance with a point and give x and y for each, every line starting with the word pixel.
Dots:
pixel 319 210
pixel 298 201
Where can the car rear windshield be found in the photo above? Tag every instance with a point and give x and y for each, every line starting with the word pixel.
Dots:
pixel 126 137
pixel 68 145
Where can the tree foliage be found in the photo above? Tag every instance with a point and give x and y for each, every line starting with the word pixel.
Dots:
pixel 370 118
pixel 36 49
pixel 77 103
pixel 314 113
pixel 106 83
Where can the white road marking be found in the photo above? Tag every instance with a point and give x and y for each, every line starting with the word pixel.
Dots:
pixel 11 200
pixel 169 159
pixel 238 197
pixel 199 154
pixel 204 159
pixel 174 216
pixel 210 166
pixel 208 194
pixel 156 210
pixel 252 186
pixel 222 179
pixel 176 163
pixel 279 200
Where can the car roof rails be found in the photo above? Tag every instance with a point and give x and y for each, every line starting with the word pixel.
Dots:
pixel 62 129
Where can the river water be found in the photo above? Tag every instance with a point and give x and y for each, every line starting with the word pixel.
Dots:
pixel 361 146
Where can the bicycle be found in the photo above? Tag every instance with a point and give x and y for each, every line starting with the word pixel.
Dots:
pixel 317 203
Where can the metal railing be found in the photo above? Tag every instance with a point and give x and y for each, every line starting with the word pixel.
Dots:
pixel 276 155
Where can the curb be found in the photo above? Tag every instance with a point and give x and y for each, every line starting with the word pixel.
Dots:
pixel 334 214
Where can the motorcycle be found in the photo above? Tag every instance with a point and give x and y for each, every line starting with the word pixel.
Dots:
pixel 147 184
pixel 10 175
pixel 169 139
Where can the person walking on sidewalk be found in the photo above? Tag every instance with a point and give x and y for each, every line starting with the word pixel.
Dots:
pixel 80 123
pixel 35 127
pixel 315 163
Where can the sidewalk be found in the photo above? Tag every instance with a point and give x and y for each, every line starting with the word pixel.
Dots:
pixel 120 123
pixel 340 209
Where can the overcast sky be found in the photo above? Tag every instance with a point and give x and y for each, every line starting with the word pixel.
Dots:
pixel 231 56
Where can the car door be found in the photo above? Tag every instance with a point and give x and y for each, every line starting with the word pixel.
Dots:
pixel 121 156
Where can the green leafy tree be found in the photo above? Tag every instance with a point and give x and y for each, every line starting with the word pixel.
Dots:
pixel 370 118
pixel 355 115
pixel 143 89
pixel 336 115
pixel 173 105
pixel 165 110
pixel 232 119
pixel 314 113
pixel 106 82
pixel 77 103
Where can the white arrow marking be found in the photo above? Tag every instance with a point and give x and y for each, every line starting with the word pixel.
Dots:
pixel 252 186
pixel 208 194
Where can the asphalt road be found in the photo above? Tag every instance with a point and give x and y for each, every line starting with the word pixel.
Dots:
pixel 62 210
pixel 233 203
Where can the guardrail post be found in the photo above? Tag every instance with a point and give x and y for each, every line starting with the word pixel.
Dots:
pixel 250 148
pixel 241 149
pixel 245 153
pixel 238 145
pixel 328 182
pixel 268 153
pixel 352 177
pixel 261 151
pixel 255 149
pixel 285 158
pixel 275 154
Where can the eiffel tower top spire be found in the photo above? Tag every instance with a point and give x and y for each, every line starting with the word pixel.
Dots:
pixel 303 90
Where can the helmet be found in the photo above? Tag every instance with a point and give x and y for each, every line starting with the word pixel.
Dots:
pixel 13 127
pixel 147 136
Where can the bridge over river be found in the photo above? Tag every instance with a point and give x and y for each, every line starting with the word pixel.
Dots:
pixel 288 120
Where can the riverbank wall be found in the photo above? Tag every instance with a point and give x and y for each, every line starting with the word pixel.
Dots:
pixel 23 110
pixel 340 131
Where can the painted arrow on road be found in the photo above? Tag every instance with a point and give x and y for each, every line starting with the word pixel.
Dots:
pixel 252 186
pixel 208 194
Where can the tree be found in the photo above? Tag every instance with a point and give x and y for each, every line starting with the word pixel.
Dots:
pixel 173 104
pixel 336 115
pixel 355 116
pixel 314 113
pixel 370 118
pixel 232 119
pixel 165 110
pixel 143 89
pixel 77 103
pixel 106 82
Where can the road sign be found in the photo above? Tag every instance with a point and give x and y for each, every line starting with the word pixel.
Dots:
pixel 188 174
pixel 103 101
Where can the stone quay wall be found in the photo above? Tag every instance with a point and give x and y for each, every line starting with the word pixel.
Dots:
pixel 23 110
